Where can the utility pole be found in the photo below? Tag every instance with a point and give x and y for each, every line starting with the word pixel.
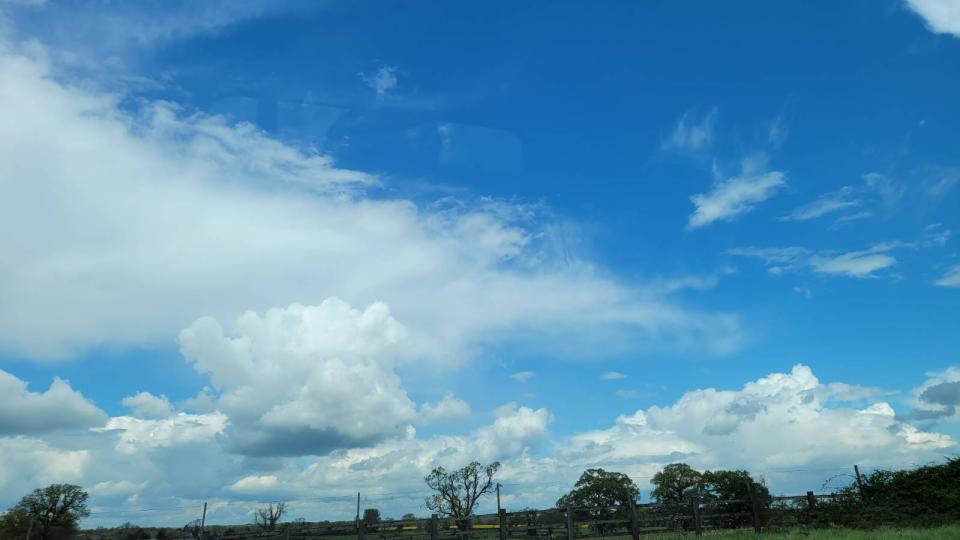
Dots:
pixel 203 519
pixel 357 522
pixel 498 497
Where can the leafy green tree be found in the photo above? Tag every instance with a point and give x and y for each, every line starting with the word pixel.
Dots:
pixel 457 492
pixel 597 487
pixel 602 494
pixel 730 492
pixel 55 512
pixel 408 516
pixel 676 484
pixel 371 516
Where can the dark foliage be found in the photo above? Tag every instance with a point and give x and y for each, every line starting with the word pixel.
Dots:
pixel 55 512
pixel 925 496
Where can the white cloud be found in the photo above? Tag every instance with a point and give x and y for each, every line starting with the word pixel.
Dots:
pixel 692 131
pixel 858 264
pixel 29 463
pixel 523 376
pixel 938 397
pixel 112 488
pixel 939 188
pixel 888 191
pixel 147 405
pixel 951 278
pixel 612 376
pixel 784 420
pixel 514 429
pixel 877 189
pixel 137 434
pixel 256 484
pixel 383 81
pixel 60 407
pixel 772 427
pixel 448 408
pixel 304 379
pixel 114 211
pixel 940 16
pixel 730 198
pixel 865 263
pixel 825 204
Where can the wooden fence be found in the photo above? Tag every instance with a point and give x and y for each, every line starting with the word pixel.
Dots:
pixel 634 520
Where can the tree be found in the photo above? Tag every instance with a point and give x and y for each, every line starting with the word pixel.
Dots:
pixel 457 492
pixel 408 517
pixel 675 484
pixel 600 491
pixel 268 517
pixel 730 492
pixel 371 516
pixel 55 512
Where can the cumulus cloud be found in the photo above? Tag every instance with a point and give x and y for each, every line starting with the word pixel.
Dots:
pixel 940 16
pixel 692 131
pixel 30 462
pixel 60 407
pixel 448 408
pixel 304 379
pixel 728 199
pixel 147 405
pixel 938 398
pixel 951 278
pixel 783 420
pixel 116 209
pixel 137 434
pixel 780 422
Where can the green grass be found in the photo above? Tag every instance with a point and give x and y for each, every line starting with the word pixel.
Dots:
pixel 951 532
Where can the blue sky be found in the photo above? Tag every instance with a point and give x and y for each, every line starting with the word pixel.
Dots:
pixel 321 247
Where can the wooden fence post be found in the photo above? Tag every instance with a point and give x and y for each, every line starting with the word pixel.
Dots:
pixel 502 514
pixel 571 523
pixel 203 519
pixel 812 506
pixel 434 526
pixel 856 469
pixel 754 508
pixel 634 527
pixel 695 514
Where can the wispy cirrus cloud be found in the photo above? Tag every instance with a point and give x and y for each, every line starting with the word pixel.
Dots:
pixel 145 196
pixel 864 263
pixel 523 376
pixel 951 278
pixel 692 131
pixel 825 204
pixel 730 198
pixel 612 376
pixel 876 190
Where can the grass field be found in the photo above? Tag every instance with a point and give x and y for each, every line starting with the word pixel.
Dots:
pixel 951 532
